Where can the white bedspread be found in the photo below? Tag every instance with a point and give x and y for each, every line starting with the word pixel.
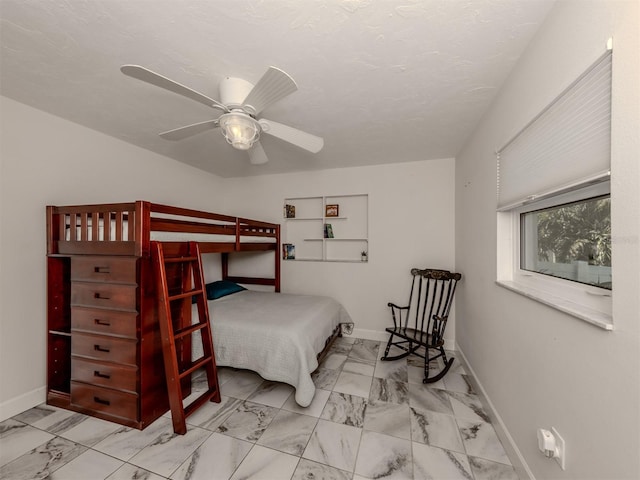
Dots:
pixel 274 334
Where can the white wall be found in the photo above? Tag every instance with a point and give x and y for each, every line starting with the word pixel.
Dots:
pixel 538 366
pixel 411 224
pixel 50 161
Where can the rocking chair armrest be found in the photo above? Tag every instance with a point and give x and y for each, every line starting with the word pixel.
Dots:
pixel 393 305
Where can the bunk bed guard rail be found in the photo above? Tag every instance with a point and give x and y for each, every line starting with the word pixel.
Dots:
pixel 125 229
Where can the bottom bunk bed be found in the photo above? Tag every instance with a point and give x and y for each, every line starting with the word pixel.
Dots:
pixel 280 336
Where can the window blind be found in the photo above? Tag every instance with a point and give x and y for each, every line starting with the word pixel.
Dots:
pixel 565 147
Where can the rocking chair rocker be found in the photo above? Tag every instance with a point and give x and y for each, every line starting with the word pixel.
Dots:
pixel 420 325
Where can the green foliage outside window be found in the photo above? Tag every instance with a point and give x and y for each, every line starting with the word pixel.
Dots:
pixel 571 234
pixel 580 231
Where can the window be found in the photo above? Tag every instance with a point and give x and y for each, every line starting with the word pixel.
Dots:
pixel 558 251
pixel 554 204
pixel 571 241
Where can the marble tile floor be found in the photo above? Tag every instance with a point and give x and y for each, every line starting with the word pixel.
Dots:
pixel 369 419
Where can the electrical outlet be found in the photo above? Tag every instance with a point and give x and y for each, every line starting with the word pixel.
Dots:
pixel 560 448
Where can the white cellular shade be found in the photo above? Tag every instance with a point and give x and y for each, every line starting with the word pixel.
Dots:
pixel 564 147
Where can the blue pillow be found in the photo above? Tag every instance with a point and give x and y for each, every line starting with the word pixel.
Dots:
pixel 222 288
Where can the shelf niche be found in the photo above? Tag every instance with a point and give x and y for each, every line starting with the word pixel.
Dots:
pixel 305 228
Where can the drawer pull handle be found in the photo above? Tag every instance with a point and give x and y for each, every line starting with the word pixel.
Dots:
pixel 96 373
pixel 102 270
pixel 102 322
pixel 101 401
pixel 99 296
pixel 101 349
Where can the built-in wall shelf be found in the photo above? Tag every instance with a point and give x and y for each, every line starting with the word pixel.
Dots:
pixel 331 228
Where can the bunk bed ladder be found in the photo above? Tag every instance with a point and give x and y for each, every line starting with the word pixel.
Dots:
pixel 176 328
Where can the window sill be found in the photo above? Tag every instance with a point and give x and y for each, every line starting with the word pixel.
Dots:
pixel 599 319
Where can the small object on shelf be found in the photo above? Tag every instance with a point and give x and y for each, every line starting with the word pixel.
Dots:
pixel 290 211
pixel 328 230
pixel 331 210
pixel 364 256
pixel 288 251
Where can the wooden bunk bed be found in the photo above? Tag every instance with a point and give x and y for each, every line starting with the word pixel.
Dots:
pixel 104 348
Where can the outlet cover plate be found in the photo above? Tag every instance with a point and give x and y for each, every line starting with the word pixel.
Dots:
pixel 560 447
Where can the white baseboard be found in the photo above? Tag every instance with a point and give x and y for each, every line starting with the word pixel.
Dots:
pixel 370 334
pixel 384 337
pixel 22 403
pixel 512 450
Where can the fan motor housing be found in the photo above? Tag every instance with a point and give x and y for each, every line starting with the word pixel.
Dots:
pixel 233 91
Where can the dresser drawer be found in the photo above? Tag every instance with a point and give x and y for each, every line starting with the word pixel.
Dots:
pixel 119 377
pixel 107 322
pixel 104 295
pixel 103 347
pixel 104 400
pixel 104 269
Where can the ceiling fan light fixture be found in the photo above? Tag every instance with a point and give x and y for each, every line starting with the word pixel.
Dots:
pixel 240 130
pixel 241 102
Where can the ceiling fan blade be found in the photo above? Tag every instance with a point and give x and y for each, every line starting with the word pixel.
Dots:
pixel 274 85
pixel 146 75
pixel 257 155
pixel 189 130
pixel 292 135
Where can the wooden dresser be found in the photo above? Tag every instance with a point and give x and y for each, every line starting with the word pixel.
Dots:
pixel 104 350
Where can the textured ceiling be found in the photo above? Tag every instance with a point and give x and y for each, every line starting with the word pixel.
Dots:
pixel 381 81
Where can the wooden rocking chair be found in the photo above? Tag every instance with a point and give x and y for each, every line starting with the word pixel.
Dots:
pixel 420 325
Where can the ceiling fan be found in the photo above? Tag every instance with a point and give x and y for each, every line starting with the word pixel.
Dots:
pixel 240 102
